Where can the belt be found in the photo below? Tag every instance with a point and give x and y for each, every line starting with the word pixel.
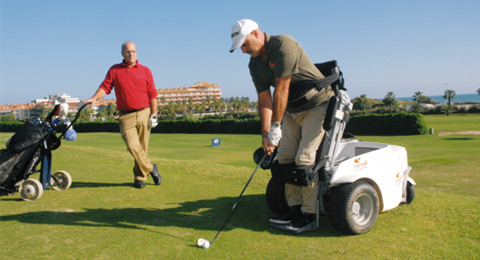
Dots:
pixel 303 99
pixel 125 112
pixel 308 89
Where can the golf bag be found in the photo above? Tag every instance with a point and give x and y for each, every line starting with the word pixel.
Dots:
pixel 30 146
pixel 24 152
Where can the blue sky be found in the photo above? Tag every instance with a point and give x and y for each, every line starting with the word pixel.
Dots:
pixel 67 46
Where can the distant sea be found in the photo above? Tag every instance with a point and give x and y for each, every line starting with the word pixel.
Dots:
pixel 459 98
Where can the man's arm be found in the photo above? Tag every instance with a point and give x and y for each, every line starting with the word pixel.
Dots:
pixel 265 112
pixel 153 106
pixel 280 98
pixel 152 93
pixel 98 95
pixel 272 111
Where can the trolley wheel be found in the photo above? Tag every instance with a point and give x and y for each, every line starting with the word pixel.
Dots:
pixel 354 208
pixel 31 189
pixel 410 192
pixel 61 180
pixel 276 200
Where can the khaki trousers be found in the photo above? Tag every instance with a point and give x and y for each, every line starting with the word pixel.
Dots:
pixel 136 134
pixel 302 134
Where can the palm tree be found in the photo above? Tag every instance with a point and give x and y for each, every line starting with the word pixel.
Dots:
pixel 163 101
pixel 201 107
pixel 223 104
pixel 244 102
pixel 162 110
pixel 102 114
pixel 208 102
pixel 449 95
pixel 190 106
pixel 170 110
pixel 111 108
pixel 418 97
pixel 478 91
pixel 254 104
pixel 179 107
pixel 216 105
pixel 390 101
pixel 235 103
pixel 85 114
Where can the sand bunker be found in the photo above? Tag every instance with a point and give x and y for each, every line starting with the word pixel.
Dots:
pixel 460 133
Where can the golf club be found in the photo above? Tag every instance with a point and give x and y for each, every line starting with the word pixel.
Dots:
pixel 203 243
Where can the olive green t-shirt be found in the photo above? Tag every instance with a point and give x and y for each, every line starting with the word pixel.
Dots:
pixel 285 57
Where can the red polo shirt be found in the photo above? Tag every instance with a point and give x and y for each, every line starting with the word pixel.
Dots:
pixel 134 87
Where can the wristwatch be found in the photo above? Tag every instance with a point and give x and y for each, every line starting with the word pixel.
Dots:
pixel 275 124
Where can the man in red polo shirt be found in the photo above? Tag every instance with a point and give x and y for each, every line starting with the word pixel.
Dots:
pixel 137 105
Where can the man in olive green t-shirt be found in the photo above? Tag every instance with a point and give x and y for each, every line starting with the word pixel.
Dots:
pixel 294 114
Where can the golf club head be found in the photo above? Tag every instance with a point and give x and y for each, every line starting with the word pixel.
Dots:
pixel 203 243
pixel 267 162
pixel 258 155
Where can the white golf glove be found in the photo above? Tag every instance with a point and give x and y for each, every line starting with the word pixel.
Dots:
pixel 275 133
pixel 153 121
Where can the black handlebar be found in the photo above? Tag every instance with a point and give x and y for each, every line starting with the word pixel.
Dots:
pixel 74 120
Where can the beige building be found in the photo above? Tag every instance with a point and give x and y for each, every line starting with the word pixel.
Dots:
pixel 38 107
pixel 196 92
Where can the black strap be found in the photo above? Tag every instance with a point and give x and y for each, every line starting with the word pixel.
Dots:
pixel 329 80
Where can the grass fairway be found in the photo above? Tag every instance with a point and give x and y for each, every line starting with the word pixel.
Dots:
pixel 103 217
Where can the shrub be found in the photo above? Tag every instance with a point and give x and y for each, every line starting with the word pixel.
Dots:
pixel 228 126
pixel 387 124
pixel 10 126
pixel 474 109
pixel 372 124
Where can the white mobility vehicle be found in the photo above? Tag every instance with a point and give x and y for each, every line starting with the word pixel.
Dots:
pixel 356 180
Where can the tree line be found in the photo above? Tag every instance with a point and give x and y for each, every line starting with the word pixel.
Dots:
pixel 188 108
pixel 237 107
pixel 231 107
pixel 390 104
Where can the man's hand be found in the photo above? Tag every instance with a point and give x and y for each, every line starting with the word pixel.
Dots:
pixel 267 147
pixel 153 121
pixel 275 134
pixel 98 95
pixel 91 102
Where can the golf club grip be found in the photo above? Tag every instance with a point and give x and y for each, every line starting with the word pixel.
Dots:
pixel 238 199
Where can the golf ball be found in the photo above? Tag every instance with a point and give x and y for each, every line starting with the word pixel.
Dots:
pixel 206 245
pixel 203 243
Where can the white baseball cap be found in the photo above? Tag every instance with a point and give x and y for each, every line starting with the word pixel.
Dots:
pixel 240 30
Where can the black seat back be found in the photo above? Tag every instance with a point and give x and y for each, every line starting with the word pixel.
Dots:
pixel 327 69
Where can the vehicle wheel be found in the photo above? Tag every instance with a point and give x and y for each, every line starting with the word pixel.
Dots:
pixel 410 192
pixel 61 180
pixel 31 189
pixel 276 200
pixel 354 208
